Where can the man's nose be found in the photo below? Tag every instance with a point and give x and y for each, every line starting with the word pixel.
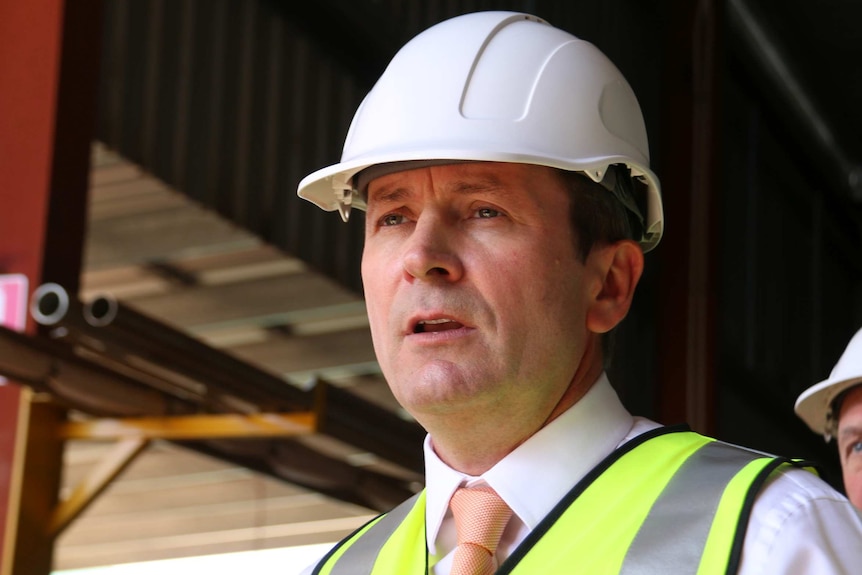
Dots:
pixel 431 253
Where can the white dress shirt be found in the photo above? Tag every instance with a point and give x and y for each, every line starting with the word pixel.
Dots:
pixel 799 524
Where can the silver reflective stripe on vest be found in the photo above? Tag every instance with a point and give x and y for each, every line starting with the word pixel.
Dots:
pixel 360 556
pixel 674 534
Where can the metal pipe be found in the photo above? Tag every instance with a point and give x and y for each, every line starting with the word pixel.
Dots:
pixel 177 350
pixel 361 423
pixel 81 384
pixel 341 415
pixel 119 333
pixel 51 367
pixel 50 304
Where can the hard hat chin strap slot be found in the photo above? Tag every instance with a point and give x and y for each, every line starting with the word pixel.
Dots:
pixel 830 429
pixel 345 204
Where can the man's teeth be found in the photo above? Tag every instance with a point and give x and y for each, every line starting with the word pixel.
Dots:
pixel 431 324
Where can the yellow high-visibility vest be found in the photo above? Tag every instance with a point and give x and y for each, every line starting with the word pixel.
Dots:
pixel 669 501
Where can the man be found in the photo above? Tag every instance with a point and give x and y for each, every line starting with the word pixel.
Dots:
pixel 833 408
pixel 503 165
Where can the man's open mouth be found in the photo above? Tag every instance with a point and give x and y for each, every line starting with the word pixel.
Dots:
pixel 434 325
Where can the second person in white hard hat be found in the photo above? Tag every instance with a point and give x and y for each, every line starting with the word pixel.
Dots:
pixel 833 408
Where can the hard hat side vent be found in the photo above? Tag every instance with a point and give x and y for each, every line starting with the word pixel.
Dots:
pixel 515 49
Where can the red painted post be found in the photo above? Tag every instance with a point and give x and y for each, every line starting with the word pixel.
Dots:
pixel 48 70
pixel 29 63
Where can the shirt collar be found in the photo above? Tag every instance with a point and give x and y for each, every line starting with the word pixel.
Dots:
pixel 534 477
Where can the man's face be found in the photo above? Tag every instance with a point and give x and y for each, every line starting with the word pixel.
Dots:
pixel 850 444
pixel 475 292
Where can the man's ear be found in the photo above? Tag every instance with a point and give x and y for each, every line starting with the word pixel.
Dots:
pixel 618 267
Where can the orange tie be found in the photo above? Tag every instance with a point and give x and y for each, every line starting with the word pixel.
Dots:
pixel 480 518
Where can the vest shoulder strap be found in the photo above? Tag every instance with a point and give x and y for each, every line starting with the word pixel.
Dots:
pixel 671 502
pixel 702 506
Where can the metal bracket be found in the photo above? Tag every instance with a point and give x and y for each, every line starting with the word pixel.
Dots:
pixel 133 435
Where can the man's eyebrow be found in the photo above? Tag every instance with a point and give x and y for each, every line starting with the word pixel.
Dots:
pixel 482 183
pixel 388 194
pixel 850 431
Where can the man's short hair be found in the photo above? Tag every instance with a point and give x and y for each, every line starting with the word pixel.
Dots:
pixel 597 218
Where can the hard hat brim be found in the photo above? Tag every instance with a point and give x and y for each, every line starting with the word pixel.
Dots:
pixel 321 187
pixel 814 403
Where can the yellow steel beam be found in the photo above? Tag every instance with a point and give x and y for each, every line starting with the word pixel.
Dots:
pixel 96 482
pixel 134 434
pixel 204 426
pixel 40 487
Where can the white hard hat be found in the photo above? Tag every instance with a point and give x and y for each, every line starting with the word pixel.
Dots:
pixel 814 405
pixel 496 86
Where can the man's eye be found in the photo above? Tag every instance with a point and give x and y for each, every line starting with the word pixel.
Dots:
pixel 487 213
pixel 856 447
pixel 391 220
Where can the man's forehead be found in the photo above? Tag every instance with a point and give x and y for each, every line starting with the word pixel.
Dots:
pixel 364 177
pixel 453 177
pixel 460 177
pixel 852 403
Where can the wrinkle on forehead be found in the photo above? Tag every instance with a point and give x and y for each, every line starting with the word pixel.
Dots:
pixel 468 178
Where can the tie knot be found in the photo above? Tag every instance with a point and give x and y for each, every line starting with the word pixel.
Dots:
pixel 480 516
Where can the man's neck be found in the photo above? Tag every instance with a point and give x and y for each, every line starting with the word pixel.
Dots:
pixel 474 444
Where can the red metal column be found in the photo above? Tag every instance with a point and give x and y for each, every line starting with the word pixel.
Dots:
pixel 48 71
pixel 687 256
